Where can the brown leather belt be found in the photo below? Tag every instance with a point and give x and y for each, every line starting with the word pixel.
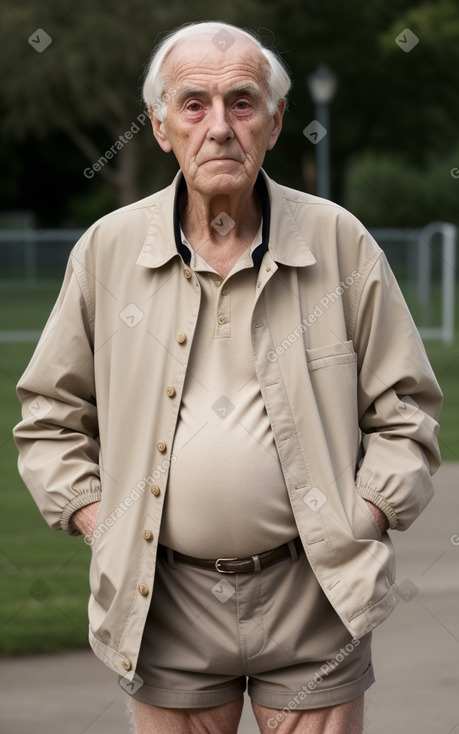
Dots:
pixel 237 565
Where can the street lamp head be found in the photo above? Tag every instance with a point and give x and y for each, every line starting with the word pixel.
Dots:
pixel 322 84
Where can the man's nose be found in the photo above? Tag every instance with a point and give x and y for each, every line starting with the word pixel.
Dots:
pixel 220 129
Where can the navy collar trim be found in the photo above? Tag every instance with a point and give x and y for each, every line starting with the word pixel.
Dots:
pixel 259 251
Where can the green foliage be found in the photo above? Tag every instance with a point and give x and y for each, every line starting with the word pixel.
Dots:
pixel 83 209
pixel 384 188
pixel 87 85
pixel 424 82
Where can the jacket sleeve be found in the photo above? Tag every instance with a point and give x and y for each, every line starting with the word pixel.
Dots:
pixel 57 438
pixel 399 401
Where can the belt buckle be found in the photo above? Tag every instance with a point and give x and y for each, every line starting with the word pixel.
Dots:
pixel 221 570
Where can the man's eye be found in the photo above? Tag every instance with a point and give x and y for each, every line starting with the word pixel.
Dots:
pixel 242 104
pixel 193 107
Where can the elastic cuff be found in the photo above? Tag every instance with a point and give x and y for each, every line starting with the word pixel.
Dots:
pixel 81 500
pixel 377 499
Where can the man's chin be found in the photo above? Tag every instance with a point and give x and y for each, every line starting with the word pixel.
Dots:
pixel 223 181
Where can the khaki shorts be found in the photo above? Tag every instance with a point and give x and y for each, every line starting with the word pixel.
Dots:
pixel 207 633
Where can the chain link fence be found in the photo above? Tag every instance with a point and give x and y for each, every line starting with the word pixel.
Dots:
pixel 423 260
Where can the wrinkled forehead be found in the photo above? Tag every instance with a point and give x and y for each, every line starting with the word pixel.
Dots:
pixel 204 61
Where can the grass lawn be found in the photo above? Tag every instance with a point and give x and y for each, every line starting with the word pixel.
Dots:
pixel 44 574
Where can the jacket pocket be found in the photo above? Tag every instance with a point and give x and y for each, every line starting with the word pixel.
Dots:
pixel 332 355
pixel 333 377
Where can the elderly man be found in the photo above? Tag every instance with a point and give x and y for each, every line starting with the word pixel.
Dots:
pixel 231 402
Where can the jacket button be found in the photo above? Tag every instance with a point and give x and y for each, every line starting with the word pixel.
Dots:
pixel 170 391
pixel 147 534
pixel 187 273
pixel 181 338
pixel 161 446
pixel 155 490
pixel 126 664
pixel 143 588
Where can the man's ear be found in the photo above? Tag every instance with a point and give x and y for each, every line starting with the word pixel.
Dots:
pixel 277 124
pixel 159 131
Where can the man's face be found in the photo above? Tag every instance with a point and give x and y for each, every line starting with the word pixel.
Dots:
pixel 218 124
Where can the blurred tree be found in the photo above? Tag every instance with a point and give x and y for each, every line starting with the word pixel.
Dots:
pixel 409 176
pixel 86 84
pixel 425 81
pixel 413 195
pixel 389 98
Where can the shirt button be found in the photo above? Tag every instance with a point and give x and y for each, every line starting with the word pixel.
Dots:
pixel 147 535
pixel 226 290
pixel 161 446
pixel 187 273
pixel 126 664
pixel 181 338
pixel 143 588
pixel 154 489
pixel 222 319
pixel 170 391
pixel 217 283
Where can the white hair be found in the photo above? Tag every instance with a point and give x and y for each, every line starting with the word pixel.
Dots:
pixel 156 96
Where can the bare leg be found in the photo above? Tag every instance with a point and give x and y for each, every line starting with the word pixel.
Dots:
pixel 216 720
pixel 346 718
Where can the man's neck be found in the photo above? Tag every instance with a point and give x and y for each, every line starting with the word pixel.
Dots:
pixel 220 229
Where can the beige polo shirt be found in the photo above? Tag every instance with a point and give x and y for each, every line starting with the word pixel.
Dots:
pixel 226 494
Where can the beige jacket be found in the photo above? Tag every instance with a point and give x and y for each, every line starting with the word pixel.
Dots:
pixel 351 397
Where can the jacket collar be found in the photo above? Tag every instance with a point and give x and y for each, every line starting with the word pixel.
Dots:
pixel 281 234
pixel 287 244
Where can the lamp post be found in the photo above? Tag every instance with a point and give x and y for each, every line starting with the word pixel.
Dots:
pixel 322 85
